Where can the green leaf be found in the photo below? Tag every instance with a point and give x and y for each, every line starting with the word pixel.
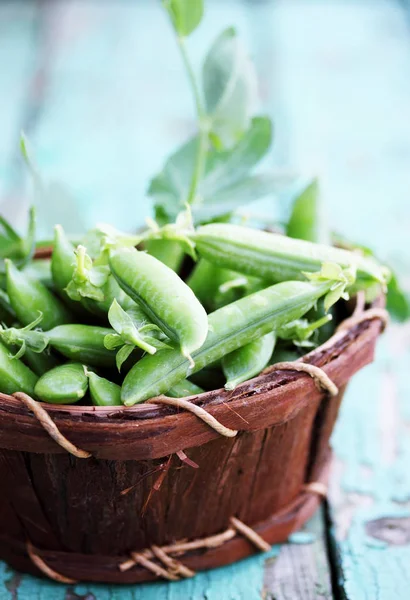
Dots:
pixel 301 330
pixel 125 326
pixel 25 337
pixel 342 278
pixel 307 220
pixel 170 188
pixel 230 87
pixel 223 170
pixel 248 189
pixel 398 300
pixel 122 355
pixel 87 280
pixel 185 14
pixel 112 341
pixel 118 318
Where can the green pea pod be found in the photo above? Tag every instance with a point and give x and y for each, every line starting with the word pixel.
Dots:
pixel 84 343
pixel 63 264
pixel 65 384
pixel 215 287
pixel 230 328
pixel 39 362
pixel 275 257
pixel 40 270
pixel 184 388
pixel 167 251
pixel 164 297
pixel 12 245
pixel 102 391
pixel 7 314
pixel 92 283
pixel 249 360
pixel 205 280
pixel 307 220
pixel 62 261
pixel 28 298
pixel 15 376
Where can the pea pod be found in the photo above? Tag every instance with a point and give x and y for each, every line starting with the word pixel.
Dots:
pixel 40 270
pixel 168 252
pixel 102 391
pixel 15 376
pixel 249 360
pixel 64 263
pixel 307 220
pixel 7 314
pixel 205 280
pixel 39 362
pixel 28 298
pixel 230 328
pixel 164 297
pixel 65 384
pixel 83 343
pixel 274 257
pixel 184 388
pixel 12 245
pixel 215 287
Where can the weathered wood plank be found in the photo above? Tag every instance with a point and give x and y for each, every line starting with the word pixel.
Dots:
pixel 348 95
pixel 301 571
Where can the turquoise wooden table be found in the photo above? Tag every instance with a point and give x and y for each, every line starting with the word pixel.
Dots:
pixel 98 89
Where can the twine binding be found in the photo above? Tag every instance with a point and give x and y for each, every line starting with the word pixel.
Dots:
pixel 44 568
pixel 174 569
pixel 250 534
pixel 172 565
pixel 316 487
pixel 47 422
pixel 170 568
pixel 198 411
pixel 323 381
pixel 142 560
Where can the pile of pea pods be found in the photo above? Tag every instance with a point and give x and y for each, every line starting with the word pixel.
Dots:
pixel 117 319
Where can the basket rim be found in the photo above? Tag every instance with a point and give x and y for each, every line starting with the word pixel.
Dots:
pixel 147 431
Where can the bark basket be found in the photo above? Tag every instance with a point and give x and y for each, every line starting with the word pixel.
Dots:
pixel 85 516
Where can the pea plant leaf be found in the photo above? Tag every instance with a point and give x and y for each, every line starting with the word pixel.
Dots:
pixel 88 280
pixel 227 182
pixel 185 14
pixel 227 167
pixel 229 87
pixel 131 331
pixel 240 193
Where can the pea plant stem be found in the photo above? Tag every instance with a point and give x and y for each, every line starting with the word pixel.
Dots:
pixel 200 157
